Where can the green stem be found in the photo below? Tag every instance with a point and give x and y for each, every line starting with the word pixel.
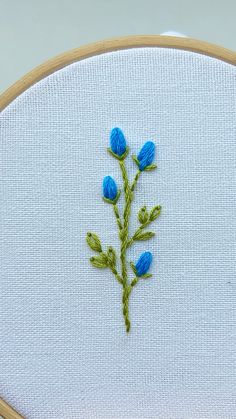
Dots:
pixel 134 282
pixel 130 241
pixel 117 215
pixel 125 230
pixel 135 180
pixel 118 277
pixel 124 242
pixel 125 299
pixel 124 237
pixel 114 271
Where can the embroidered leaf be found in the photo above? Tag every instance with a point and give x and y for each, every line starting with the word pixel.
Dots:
pixel 139 235
pixel 122 157
pixel 134 282
pixel 150 167
pixel 133 268
pixel 145 276
pixel 111 256
pixel 114 201
pixel 155 212
pixel 135 159
pixel 143 215
pixel 99 261
pixel 94 242
pixel 122 234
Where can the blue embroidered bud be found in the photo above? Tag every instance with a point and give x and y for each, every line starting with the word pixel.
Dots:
pixel 109 187
pixel 117 142
pixel 143 263
pixel 146 155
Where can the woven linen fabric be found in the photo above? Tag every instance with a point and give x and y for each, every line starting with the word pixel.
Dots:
pixel 64 350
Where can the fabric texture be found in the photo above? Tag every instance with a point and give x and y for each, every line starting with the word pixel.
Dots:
pixel 64 349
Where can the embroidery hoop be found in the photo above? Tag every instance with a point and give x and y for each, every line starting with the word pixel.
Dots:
pixel 94 49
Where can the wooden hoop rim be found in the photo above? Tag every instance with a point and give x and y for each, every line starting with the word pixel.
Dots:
pixel 7 412
pixel 98 48
pixel 103 47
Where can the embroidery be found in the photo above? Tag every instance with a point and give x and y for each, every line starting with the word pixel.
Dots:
pixel 108 259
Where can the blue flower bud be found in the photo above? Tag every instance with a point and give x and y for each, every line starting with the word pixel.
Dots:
pixel 117 142
pixel 109 188
pixel 143 263
pixel 146 155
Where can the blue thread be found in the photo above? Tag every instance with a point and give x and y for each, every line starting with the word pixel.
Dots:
pixel 146 155
pixel 117 142
pixel 109 188
pixel 143 263
pixel 111 194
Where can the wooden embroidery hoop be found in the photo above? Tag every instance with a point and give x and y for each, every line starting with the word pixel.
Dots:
pixel 102 47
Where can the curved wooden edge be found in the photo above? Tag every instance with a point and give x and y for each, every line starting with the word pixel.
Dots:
pixel 7 412
pixel 103 47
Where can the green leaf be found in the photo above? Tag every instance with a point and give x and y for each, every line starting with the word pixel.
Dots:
pixel 143 236
pixel 124 155
pixel 111 256
pixel 94 242
pixel 99 261
pixel 114 201
pixel 133 268
pixel 135 159
pixel 145 276
pixel 134 282
pixel 122 234
pixel 155 212
pixel 150 167
pixel 143 215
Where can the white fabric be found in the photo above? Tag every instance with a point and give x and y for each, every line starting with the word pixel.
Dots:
pixel 64 350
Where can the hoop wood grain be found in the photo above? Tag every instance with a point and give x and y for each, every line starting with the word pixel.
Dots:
pixel 7 412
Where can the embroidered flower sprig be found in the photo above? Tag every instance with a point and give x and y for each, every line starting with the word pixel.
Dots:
pixel 108 259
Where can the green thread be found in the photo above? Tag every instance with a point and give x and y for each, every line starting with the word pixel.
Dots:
pixel 122 157
pixel 110 201
pixel 135 180
pixel 124 244
pixel 109 259
pixel 117 215
pixel 134 282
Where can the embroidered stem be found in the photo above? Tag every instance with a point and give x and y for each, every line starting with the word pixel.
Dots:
pixel 117 215
pixel 134 282
pixel 135 180
pixel 118 277
pixel 125 230
pixel 131 240
pixel 125 300
pixel 124 244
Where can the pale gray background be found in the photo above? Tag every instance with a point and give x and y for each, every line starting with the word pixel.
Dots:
pixel 33 31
